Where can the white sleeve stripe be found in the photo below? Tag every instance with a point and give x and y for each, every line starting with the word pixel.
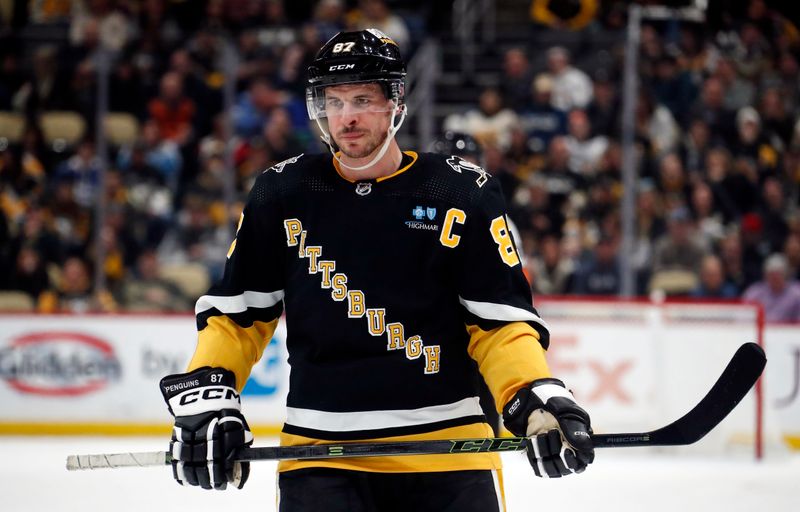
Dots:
pixel 238 303
pixel 372 420
pixel 547 391
pixel 494 311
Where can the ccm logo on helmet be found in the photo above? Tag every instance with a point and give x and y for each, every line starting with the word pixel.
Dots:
pixel 209 393
pixel 340 67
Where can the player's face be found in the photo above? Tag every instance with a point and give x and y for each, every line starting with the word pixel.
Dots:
pixel 358 117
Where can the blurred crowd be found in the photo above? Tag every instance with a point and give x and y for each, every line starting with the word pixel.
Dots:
pixel 717 150
pixel 716 132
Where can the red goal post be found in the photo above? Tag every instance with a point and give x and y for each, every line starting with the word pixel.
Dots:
pixel 640 364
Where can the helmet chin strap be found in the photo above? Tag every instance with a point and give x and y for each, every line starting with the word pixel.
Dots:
pixel 390 133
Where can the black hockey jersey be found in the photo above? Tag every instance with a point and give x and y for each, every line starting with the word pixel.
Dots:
pixel 396 292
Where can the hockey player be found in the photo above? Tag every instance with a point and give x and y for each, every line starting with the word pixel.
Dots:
pixel 400 283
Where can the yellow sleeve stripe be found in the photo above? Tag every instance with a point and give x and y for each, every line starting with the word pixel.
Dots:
pixel 225 344
pixel 508 357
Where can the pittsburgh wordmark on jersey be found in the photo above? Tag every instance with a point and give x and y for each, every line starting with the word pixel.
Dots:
pixel 413 346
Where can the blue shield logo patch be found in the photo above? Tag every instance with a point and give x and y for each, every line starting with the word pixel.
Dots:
pixel 431 212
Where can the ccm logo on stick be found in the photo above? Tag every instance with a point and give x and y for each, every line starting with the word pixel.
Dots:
pixel 210 393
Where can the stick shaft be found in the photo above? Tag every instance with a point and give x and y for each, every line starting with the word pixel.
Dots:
pixel 733 384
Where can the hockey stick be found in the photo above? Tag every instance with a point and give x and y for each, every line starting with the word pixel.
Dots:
pixel 739 376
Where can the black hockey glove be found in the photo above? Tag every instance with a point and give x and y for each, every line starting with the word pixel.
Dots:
pixel 559 430
pixel 209 428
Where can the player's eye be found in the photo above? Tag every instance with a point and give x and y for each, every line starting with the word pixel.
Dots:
pixel 333 104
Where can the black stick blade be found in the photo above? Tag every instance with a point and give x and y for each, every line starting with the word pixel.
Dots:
pixel 736 380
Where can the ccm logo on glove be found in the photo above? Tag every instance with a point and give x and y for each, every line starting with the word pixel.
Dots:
pixel 209 394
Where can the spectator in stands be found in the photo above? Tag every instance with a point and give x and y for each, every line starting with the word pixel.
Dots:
pixel 24 171
pixel 679 253
pixel 256 59
pixel 772 211
pixel 734 193
pixel 710 224
pixel 29 273
pixel 559 179
pixel 83 92
pixel 572 88
pixel 694 147
pixel 538 214
pixel 46 88
pixel 791 249
pixel 103 16
pixel 173 111
pixel 51 12
pixel 779 296
pixel 753 144
pixel 328 18
pixel 754 247
pixel 730 253
pixel 550 271
pixel 739 92
pixel 148 291
pixel 673 183
pixel 377 14
pixel 196 89
pixel 201 235
pixel 275 29
pixel 713 284
pixel 296 59
pixel 160 153
pixel 82 170
pixel 502 168
pixel 650 226
pixel 11 78
pixel 603 111
pixel 710 107
pixel 75 293
pixel 148 197
pixel 751 51
pixel 785 77
pixel 490 123
pixel 655 123
pixel 673 87
pixel 598 273
pixel 516 78
pixel 36 232
pixel 71 222
pixel 538 118
pixel 776 118
pixel 126 91
pixel 585 148
pixel 255 105
pixel 156 21
pixel 279 137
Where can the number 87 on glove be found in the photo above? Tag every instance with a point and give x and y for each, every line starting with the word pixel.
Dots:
pixel 209 428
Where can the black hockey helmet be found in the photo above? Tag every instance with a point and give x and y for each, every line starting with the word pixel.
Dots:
pixel 458 144
pixel 356 57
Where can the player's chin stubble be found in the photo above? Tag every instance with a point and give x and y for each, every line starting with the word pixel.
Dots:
pixel 370 145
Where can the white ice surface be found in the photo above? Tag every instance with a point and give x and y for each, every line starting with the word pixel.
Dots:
pixel 33 478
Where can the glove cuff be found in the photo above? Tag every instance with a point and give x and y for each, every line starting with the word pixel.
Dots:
pixel 202 390
pixel 533 396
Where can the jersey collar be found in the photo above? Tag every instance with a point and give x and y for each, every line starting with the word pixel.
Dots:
pixel 399 171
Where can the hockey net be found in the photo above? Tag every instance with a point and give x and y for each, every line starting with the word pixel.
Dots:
pixel 639 365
